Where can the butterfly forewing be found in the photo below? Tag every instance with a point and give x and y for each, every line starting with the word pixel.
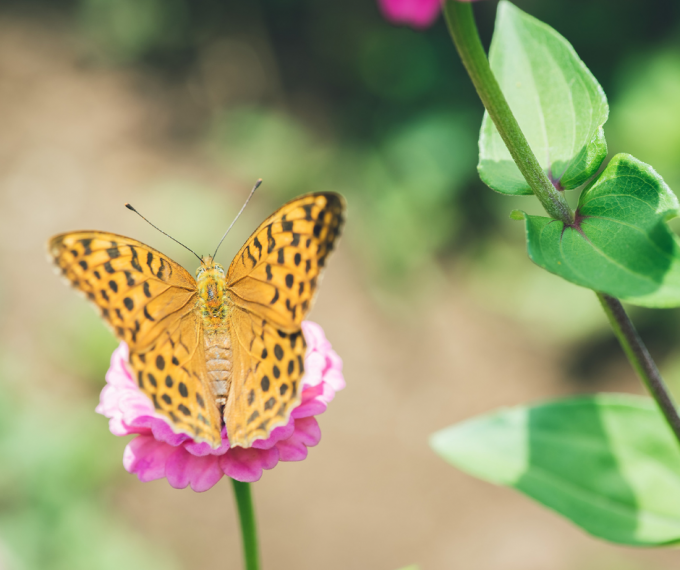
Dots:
pixel 271 283
pixel 276 273
pixel 150 303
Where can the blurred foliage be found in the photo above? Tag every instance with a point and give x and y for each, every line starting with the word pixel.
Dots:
pixel 644 119
pixel 57 466
pixel 83 346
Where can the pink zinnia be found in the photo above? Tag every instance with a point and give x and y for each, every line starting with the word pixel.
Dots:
pixel 159 452
pixel 415 13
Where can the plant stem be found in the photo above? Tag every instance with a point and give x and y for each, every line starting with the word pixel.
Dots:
pixel 246 513
pixel 639 357
pixel 463 29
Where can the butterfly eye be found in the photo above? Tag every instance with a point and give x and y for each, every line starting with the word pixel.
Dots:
pixel 200 271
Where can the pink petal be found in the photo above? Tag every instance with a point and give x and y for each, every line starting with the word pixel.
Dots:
pixel 315 365
pixel 278 434
pixel 146 457
pixel 246 465
pixel 184 469
pixel 203 448
pixel 311 404
pixel 307 434
pixel 314 336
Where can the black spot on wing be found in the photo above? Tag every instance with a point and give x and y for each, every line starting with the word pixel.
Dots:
pixel 86 243
pixel 271 242
pixel 258 245
pixel 135 260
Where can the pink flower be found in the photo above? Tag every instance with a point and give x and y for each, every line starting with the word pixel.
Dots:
pixel 418 14
pixel 158 452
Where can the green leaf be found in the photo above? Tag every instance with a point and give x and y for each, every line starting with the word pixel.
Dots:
pixel 622 244
pixel 557 102
pixel 609 463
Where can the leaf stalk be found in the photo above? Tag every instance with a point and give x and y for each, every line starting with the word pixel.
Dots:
pixel 640 359
pixel 463 30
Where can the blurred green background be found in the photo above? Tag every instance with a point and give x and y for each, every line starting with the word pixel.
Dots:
pixel 179 106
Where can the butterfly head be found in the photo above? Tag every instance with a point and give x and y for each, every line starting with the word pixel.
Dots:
pixel 210 278
pixel 209 268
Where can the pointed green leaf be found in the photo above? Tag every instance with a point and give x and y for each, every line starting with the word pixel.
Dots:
pixel 609 462
pixel 557 102
pixel 622 245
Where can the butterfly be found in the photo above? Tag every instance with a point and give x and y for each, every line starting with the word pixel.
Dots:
pixel 225 348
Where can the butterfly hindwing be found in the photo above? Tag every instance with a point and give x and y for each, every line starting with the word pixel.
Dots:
pixel 150 302
pixel 268 367
pixel 172 372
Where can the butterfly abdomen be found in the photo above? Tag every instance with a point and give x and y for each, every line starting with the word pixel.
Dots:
pixel 218 359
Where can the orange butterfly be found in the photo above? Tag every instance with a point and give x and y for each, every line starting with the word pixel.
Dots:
pixel 224 346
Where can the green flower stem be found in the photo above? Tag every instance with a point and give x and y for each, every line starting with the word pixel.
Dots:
pixel 463 29
pixel 246 513
pixel 639 357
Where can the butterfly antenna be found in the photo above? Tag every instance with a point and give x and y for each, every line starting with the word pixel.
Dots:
pixel 257 185
pixel 129 207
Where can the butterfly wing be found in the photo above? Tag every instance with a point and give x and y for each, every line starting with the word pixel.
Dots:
pixel 150 302
pixel 271 285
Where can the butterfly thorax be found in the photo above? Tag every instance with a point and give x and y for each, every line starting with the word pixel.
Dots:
pixel 212 293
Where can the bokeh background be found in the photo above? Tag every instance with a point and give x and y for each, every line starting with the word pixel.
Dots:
pixel 178 106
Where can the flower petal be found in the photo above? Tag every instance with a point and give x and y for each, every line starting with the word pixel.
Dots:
pixel 182 469
pixel 307 434
pixel 246 465
pixel 146 457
